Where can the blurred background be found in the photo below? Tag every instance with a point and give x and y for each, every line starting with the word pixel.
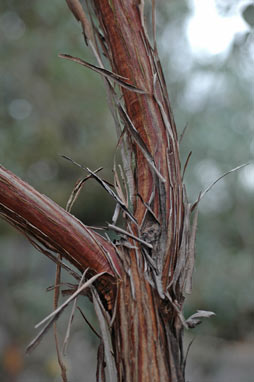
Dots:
pixel 50 107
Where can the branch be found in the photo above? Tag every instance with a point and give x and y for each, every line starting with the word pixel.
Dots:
pixel 43 221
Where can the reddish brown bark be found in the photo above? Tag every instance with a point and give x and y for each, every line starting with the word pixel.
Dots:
pixel 132 56
pixel 150 272
pixel 146 335
pixel 65 234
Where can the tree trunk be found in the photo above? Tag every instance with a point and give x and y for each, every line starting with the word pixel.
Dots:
pixel 149 269
pixel 147 331
pixel 144 345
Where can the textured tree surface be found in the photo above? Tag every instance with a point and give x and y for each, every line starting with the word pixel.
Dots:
pixel 146 273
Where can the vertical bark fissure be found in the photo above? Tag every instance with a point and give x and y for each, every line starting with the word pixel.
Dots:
pixel 146 341
pixel 145 348
pixel 146 333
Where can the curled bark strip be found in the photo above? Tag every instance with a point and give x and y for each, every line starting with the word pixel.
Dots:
pixel 106 73
pixel 52 317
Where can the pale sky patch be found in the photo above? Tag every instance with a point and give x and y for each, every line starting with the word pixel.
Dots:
pixel 246 176
pixel 210 33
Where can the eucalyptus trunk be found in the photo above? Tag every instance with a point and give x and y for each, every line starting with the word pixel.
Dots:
pixel 145 274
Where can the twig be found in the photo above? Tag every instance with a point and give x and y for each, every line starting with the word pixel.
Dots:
pixel 183 132
pixel 100 312
pixel 106 73
pixel 186 356
pixel 77 189
pixel 52 317
pixel 186 163
pixel 68 331
pixel 120 230
pixel 72 297
pixel 194 205
pixel 88 323
pixel 105 186
pixel 56 299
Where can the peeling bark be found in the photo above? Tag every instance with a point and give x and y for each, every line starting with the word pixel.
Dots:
pixel 149 269
pixel 40 218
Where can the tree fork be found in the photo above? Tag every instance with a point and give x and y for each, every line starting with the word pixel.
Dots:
pixel 149 269
pixel 147 333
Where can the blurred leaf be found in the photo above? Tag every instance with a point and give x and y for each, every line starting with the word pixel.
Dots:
pixel 248 14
